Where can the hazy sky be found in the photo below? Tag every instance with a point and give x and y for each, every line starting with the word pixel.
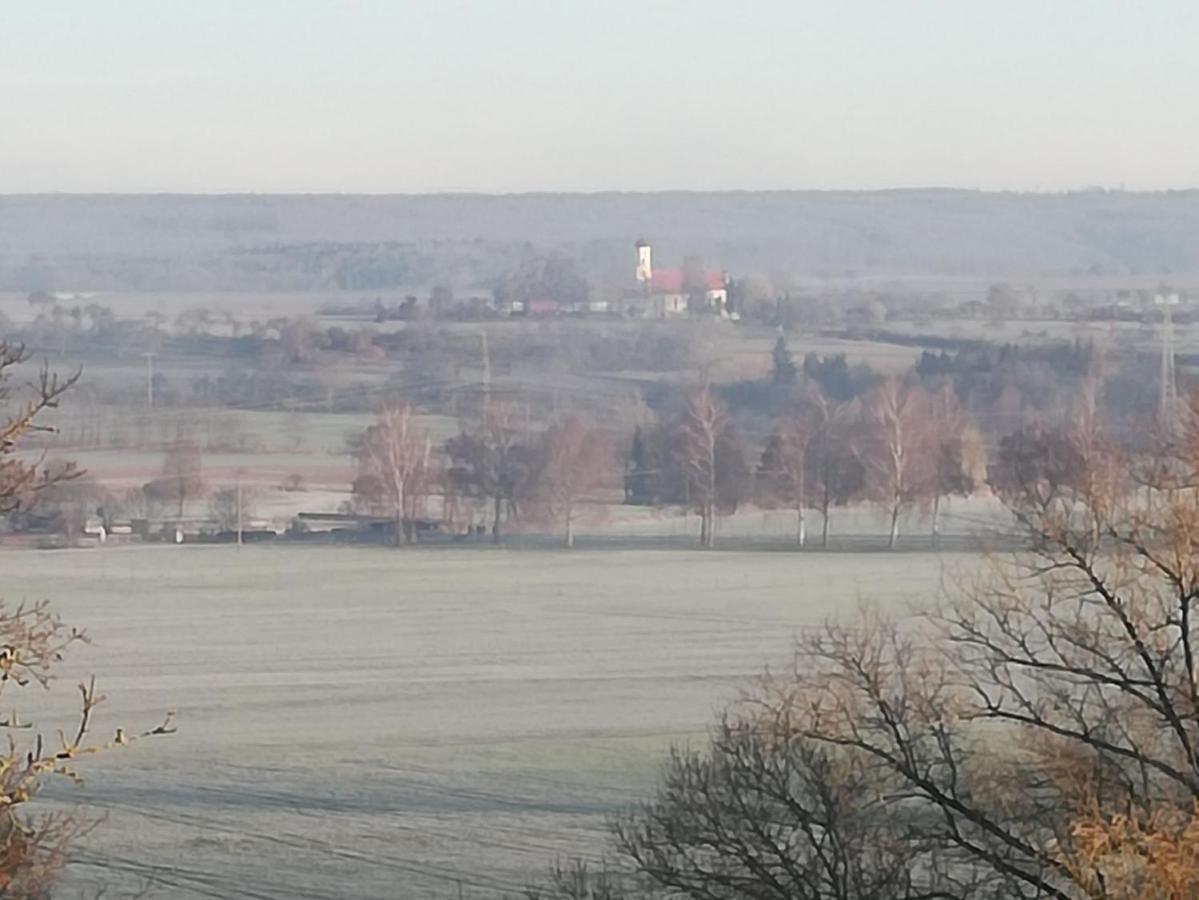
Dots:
pixel 516 95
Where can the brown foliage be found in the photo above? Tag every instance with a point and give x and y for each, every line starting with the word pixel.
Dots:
pixel 573 458
pixel 1041 726
pixel 1133 857
pixel 32 642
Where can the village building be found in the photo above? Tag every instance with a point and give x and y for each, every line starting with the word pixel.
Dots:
pixel 675 292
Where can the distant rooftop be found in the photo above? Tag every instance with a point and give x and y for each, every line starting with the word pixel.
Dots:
pixel 674 281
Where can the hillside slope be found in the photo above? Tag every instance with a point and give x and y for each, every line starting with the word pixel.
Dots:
pixel 189 242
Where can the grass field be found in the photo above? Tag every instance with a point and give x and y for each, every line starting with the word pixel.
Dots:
pixel 371 723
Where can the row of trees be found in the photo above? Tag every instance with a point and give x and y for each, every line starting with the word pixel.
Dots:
pixel 1033 733
pixel 499 462
pixel 66 505
pixel 901 446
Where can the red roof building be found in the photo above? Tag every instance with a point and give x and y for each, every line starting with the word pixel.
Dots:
pixel 673 292
pixel 674 281
pixel 542 308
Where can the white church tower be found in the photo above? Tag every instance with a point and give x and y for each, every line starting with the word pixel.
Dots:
pixel 645 263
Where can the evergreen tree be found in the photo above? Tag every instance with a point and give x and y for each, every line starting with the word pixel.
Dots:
pixel 783 365
pixel 639 476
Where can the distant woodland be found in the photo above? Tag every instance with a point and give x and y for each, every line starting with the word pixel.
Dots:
pixel 332 242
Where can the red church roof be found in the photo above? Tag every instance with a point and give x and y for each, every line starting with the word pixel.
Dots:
pixel 674 281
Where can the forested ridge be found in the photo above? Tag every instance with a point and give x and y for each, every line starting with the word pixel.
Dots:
pixel 368 242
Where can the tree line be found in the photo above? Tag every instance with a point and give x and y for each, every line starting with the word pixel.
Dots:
pixel 500 463
pixel 816 436
pixel 900 447
pixel 1031 732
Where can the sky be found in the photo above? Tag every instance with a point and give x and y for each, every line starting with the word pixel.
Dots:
pixel 417 96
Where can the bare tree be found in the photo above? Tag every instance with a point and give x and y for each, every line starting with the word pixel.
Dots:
pixel 297 340
pixel 712 457
pixel 1044 724
pixel 573 458
pixel 230 507
pixel 833 470
pixel 21 479
pixel 394 459
pixel 784 468
pixel 959 463
pixel 894 447
pixel 776 816
pixel 1033 736
pixel 699 430
pixel 33 846
pixel 72 498
pixel 182 476
pixel 577 880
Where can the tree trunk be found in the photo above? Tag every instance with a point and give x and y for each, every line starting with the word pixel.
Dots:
pixel 495 523
pixel 801 528
pixel 399 526
pixel 936 520
pixel 893 540
pixel 824 526
pixel 705 526
pixel 570 529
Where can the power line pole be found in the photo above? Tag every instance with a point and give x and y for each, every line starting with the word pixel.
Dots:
pixel 150 378
pixel 1168 399
pixel 486 376
pixel 239 520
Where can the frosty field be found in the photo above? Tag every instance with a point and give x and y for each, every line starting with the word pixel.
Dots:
pixel 373 723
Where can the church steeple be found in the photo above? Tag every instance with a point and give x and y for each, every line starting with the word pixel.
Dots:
pixel 645 262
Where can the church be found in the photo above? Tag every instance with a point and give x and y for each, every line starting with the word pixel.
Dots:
pixel 677 292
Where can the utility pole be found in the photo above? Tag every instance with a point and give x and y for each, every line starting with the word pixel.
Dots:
pixel 1168 399
pixel 149 355
pixel 486 377
pixel 239 524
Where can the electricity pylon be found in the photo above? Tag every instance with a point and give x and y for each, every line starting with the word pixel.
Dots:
pixel 1168 398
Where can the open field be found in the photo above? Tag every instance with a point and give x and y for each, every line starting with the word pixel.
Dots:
pixel 372 723
pixel 246 306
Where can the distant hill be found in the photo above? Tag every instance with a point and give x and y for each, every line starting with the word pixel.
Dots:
pixel 359 242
